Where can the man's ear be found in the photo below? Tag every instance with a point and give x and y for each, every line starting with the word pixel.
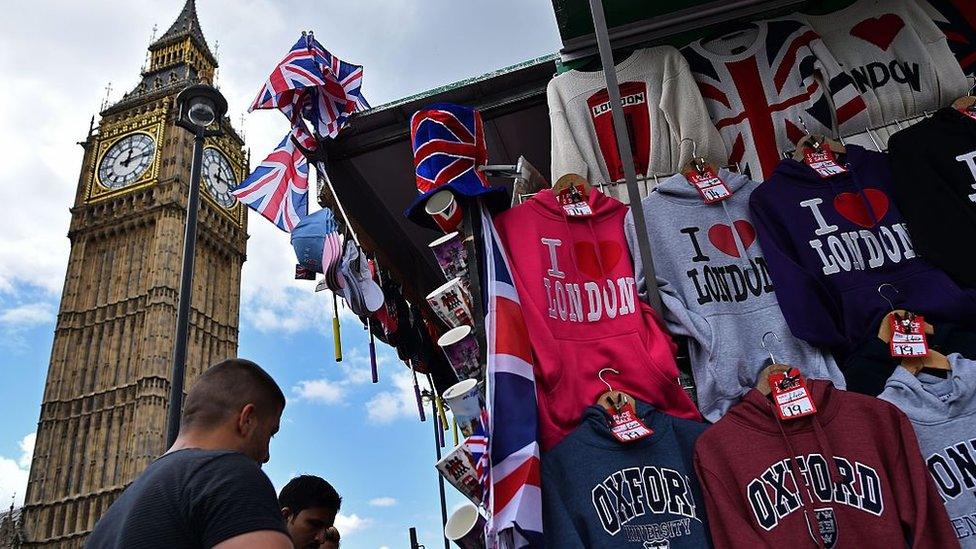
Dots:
pixel 286 513
pixel 246 420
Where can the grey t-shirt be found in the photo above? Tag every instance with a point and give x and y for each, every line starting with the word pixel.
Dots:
pixel 190 498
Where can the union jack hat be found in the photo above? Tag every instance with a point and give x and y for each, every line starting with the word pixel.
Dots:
pixel 448 147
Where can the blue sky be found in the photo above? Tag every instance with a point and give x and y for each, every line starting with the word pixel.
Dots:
pixel 57 59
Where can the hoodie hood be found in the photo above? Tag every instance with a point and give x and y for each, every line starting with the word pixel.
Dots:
pixel 601 205
pixel 756 410
pixel 930 399
pixel 677 187
pixel 596 419
pixel 799 172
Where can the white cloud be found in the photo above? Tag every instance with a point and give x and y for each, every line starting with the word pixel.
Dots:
pixel 385 501
pixel 350 524
pixel 14 473
pixel 388 406
pixel 28 314
pixel 320 390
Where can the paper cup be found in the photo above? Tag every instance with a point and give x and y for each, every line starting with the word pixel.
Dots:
pixel 451 255
pixel 464 400
pixel 466 528
pixel 451 303
pixel 460 346
pixel 458 468
pixel 444 208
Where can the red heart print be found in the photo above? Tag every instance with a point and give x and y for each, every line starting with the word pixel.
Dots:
pixel 880 31
pixel 586 260
pixel 852 207
pixel 720 235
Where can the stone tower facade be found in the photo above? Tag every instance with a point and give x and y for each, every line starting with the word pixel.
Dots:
pixel 103 415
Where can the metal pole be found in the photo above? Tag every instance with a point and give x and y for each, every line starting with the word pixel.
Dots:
pixel 440 479
pixel 623 146
pixel 186 291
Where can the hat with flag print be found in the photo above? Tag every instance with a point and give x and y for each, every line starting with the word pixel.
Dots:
pixel 448 147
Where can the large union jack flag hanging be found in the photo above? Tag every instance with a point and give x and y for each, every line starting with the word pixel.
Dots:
pixel 312 83
pixel 278 188
pixel 516 495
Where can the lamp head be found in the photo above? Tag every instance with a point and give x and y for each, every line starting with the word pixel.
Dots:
pixel 201 106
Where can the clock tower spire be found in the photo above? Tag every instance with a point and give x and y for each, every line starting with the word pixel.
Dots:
pixel 103 415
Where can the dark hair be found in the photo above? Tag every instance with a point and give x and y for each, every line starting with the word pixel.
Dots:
pixel 332 534
pixel 224 388
pixel 309 491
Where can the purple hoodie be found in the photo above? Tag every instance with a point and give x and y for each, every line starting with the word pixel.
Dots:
pixel 830 243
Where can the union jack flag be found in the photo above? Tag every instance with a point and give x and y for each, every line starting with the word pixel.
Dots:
pixel 278 188
pixel 312 83
pixel 513 448
pixel 477 444
pixel 957 19
pixel 448 145
pixel 757 101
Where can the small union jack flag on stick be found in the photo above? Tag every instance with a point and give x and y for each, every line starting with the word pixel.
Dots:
pixel 278 188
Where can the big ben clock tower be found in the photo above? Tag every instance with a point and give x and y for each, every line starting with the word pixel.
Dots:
pixel 103 416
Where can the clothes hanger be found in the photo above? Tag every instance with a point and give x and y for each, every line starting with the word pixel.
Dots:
pixel 612 400
pixel 815 142
pixel 571 180
pixel 966 102
pixel 934 361
pixel 763 383
pixel 727 31
pixel 697 163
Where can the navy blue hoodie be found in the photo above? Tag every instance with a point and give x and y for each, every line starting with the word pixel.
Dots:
pixel 831 242
pixel 598 493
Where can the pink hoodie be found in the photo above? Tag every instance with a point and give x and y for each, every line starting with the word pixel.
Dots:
pixel 575 279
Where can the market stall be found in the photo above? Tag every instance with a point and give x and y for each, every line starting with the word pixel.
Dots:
pixel 660 279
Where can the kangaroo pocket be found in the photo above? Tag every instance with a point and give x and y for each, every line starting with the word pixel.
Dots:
pixel 929 292
pixel 640 375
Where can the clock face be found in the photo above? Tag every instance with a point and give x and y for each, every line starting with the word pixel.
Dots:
pixel 218 177
pixel 126 161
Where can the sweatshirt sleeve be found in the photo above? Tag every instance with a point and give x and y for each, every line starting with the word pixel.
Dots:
pixel 680 320
pixel 687 117
pixel 850 112
pixel 727 521
pixel 566 157
pixel 952 81
pixel 559 528
pixel 920 508
pixel 808 306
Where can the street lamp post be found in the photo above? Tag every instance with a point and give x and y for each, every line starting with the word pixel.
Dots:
pixel 202 108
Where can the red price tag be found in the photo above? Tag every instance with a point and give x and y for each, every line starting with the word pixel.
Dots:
pixel 573 201
pixel 823 162
pixel 626 426
pixel 968 112
pixel 711 188
pixel 790 395
pixel 908 336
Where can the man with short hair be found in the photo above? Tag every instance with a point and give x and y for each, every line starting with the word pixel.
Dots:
pixel 208 490
pixel 309 506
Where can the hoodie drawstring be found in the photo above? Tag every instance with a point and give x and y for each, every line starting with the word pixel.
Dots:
pixel 797 476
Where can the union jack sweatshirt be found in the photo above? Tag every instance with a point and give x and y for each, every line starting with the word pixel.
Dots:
pixel 896 56
pixel 758 85
pixel 662 106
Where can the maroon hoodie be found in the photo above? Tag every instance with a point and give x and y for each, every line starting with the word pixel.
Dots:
pixel 575 280
pixel 862 480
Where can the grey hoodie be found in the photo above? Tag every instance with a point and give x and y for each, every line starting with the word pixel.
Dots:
pixel 717 291
pixel 943 412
